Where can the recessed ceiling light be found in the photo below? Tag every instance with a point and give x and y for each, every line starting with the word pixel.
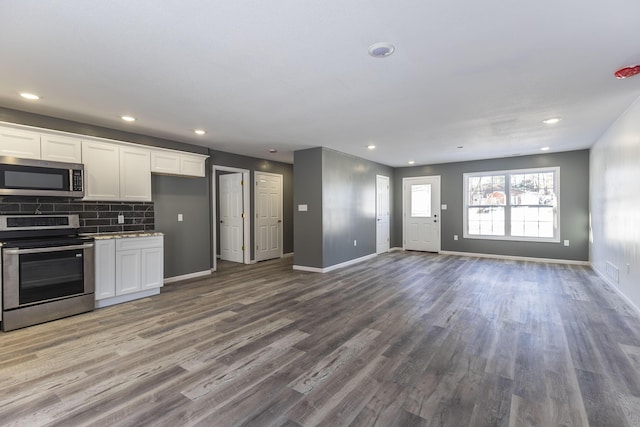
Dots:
pixel 371 147
pixel 545 148
pixel 381 49
pixel 200 131
pixel 411 162
pixel 30 96
pixel 551 121
pixel 460 146
pixel 128 118
pixel 273 150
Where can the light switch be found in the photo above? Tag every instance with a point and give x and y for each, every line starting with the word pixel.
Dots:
pixel 443 207
pixel 180 217
pixel 302 208
pixel 120 219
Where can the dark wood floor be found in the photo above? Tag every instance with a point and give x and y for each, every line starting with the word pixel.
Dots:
pixel 405 339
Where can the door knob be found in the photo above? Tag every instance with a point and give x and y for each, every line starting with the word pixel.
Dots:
pixel 221 221
pixel 279 221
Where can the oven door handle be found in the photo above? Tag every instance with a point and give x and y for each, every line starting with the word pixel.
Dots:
pixel 49 249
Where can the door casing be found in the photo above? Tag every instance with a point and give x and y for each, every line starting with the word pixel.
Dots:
pixel 277 221
pixel 247 210
pixel 231 219
pixel 434 219
pixel 382 214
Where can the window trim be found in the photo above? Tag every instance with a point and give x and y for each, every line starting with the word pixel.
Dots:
pixel 507 206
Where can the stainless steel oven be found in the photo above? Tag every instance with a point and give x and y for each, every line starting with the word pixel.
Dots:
pixel 47 269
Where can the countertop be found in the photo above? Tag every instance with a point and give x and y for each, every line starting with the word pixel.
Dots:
pixel 123 235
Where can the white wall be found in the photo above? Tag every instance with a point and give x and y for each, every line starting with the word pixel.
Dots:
pixel 615 204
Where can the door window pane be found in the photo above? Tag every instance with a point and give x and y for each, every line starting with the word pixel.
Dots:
pixel 420 200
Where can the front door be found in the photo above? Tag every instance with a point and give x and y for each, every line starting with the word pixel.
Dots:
pixel 421 213
pixel 231 221
pixel 382 214
pixel 268 205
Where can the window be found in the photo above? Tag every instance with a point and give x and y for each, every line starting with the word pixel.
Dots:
pixel 421 200
pixel 512 205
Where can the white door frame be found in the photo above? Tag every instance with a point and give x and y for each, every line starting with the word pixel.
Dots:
pixel 388 243
pixel 247 210
pixel 404 213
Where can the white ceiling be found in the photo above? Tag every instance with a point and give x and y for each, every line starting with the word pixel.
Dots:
pixel 295 74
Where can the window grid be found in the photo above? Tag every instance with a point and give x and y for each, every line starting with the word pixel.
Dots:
pixel 512 205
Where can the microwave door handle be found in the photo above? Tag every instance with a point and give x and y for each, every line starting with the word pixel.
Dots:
pixel 49 249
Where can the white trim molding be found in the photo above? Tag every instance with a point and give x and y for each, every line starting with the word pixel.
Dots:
pixel 608 281
pixel 333 267
pixel 516 258
pixel 187 276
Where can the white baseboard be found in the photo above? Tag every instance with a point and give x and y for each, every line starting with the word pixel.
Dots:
pixel 608 281
pixel 288 255
pixel 517 258
pixel 333 267
pixel 187 276
pixel 396 248
pixel 126 298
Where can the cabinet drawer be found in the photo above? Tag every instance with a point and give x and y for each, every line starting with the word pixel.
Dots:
pixel 129 243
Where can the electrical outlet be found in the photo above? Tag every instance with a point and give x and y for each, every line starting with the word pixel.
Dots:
pixel 120 219
pixel 355 243
pixel 180 217
pixel 455 237
pixel 566 243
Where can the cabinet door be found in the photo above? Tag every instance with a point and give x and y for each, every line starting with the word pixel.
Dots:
pixel 61 149
pixel 135 174
pixel 165 162
pixel 152 268
pixel 101 170
pixel 128 271
pixel 105 256
pixel 191 165
pixel 19 143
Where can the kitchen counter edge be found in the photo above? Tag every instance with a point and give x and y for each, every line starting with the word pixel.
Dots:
pixel 123 235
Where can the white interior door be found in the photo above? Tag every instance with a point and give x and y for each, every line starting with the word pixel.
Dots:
pixel 382 214
pixel 231 221
pixel 421 213
pixel 268 205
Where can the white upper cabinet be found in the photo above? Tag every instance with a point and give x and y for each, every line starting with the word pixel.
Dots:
pixel 135 174
pixel 19 143
pixel 192 165
pixel 165 162
pixel 101 170
pixel 176 163
pixel 61 149
pixel 116 172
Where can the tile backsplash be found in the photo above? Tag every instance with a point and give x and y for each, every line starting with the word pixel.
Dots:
pixel 95 217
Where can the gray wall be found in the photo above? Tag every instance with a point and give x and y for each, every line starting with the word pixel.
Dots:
pixel 574 205
pixel 307 226
pixel 187 243
pixel 340 191
pixel 221 158
pixel 349 206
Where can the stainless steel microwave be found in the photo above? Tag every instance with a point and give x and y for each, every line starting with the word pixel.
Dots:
pixel 28 177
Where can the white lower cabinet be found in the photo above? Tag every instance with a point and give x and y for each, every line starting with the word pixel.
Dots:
pixel 128 268
pixel 105 260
